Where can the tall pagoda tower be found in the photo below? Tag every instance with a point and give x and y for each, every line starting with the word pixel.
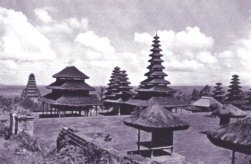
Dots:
pixel 70 93
pixel 218 92
pixel 154 89
pixel 31 91
pixel 113 85
pixel 234 91
pixel 117 92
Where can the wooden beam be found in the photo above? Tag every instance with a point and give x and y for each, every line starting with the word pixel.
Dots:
pixel 233 157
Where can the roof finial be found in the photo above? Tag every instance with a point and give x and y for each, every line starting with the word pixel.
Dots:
pixel 156 33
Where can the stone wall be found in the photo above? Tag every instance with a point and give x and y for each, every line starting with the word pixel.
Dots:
pixel 20 123
pixel 101 153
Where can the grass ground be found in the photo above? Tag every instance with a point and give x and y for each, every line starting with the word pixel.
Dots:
pixel 191 143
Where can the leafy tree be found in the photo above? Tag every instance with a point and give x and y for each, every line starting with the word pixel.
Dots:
pixel 195 94
pixel 206 91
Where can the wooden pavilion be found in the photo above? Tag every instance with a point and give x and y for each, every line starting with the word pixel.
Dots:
pixel 160 123
pixel 154 89
pixel 235 136
pixel 69 93
pixel 31 91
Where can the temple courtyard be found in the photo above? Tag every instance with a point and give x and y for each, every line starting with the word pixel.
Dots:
pixel 111 132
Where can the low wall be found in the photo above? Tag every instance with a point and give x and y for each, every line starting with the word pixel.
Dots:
pixel 96 150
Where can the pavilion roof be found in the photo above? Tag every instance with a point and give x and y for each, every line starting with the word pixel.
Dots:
pixel 70 85
pixel 205 101
pixel 229 110
pixel 168 102
pixel 71 100
pixel 70 72
pixel 155 117
pixel 234 136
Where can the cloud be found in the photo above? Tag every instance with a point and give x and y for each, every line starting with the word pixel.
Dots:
pixel 20 40
pixel 91 40
pixel 43 15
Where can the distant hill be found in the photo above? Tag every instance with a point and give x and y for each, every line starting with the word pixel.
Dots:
pixel 16 90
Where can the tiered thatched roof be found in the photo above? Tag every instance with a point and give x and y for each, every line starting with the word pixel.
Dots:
pixel 70 89
pixel 229 110
pixel 31 90
pixel 154 88
pixel 155 117
pixel 118 89
pixel 235 136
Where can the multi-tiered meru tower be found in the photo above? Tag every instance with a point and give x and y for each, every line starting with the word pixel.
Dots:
pixel 154 89
pixel 31 91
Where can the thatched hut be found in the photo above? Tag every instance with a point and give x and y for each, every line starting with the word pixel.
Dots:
pixel 227 111
pixel 158 121
pixel 203 104
pixel 235 136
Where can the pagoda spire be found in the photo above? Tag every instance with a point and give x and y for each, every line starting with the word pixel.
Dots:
pixel 31 90
pixel 113 85
pixel 155 75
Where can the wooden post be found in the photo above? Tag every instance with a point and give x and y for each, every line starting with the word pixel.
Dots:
pixel 51 109
pixel 43 107
pixel 138 141
pixel 233 157
pixel 96 109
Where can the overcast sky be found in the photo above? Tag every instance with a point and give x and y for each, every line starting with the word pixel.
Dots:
pixel 203 41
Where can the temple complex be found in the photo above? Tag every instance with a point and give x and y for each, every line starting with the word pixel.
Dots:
pixel 69 93
pixel 154 89
pixel 31 91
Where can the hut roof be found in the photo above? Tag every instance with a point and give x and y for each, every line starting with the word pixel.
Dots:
pixel 70 72
pixel 71 100
pixel 235 136
pixel 205 101
pixel 70 85
pixel 230 111
pixel 155 117
pixel 168 102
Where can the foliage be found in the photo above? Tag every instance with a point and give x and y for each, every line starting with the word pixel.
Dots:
pixel 195 95
pixel 27 103
pixel 206 91
pixel 100 93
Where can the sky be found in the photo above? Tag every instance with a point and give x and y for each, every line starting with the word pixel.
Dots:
pixel 203 41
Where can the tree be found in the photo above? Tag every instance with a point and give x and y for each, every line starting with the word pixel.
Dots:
pixel 249 96
pixel 195 94
pixel 234 91
pixel 206 91
pixel 100 92
pixel 218 92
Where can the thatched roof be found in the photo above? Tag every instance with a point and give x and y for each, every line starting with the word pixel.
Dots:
pixel 168 102
pixel 70 85
pixel 71 100
pixel 235 136
pixel 70 72
pixel 229 110
pixel 205 101
pixel 155 117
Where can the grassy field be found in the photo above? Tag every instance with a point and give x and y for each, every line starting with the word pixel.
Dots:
pixel 191 143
